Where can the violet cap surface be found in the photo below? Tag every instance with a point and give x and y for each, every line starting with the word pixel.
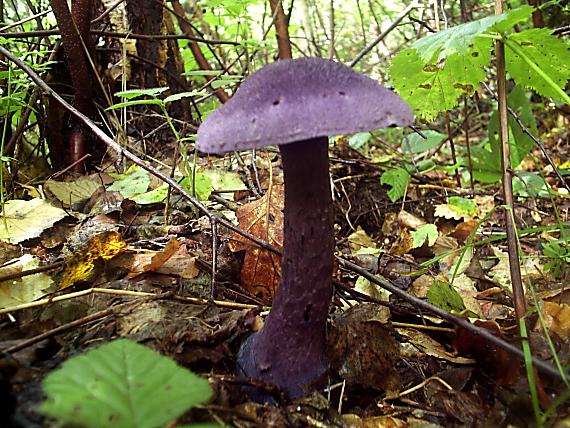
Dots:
pixel 300 99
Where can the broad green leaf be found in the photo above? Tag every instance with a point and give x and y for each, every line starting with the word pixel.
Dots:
pixel 203 186
pixel 550 55
pixel 513 17
pixel 121 385
pixel 398 179
pixel 487 160
pixel 444 296
pixel 430 88
pixel 134 182
pixel 154 196
pixel 459 39
pixel 457 208
pixel 527 183
pixel 415 143
pixel 462 205
pixel 136 93
pixel 455 40
pixel 426 232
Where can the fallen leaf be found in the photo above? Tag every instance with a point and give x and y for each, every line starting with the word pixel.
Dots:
pixel 22 220
pixel 499 362
pixel 25 289
pixel 81 267
pixel 426 345
pixel 172 260
pixel 159 258
pixel 362 349
pixel 557 318
pixel 263 218
pixel 74 192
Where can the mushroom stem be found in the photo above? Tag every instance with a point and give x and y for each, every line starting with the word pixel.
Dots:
pixel 289 351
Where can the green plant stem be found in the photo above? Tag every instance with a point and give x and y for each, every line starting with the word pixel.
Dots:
pixel 548 338
pixel 536 68
pixel 530 372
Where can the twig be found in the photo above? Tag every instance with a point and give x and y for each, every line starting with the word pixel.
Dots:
pixel 384 33
pixel 21 274
pixel 55 32
pixel 131 293
pixel 507 178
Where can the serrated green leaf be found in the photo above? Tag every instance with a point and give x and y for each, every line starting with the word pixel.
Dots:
pixel 121 385
pixel 425 232
pixel 398 179
pixel 456 40
pixel 513 17
pixel 444 296
pixel 430 88
pixel 550 55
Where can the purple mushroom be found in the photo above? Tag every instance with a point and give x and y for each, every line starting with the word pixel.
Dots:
pixel 297 104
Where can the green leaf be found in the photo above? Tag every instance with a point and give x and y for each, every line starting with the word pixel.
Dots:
pixel 398 179
pixel 136 93
pixel 181 95
pixel 433 87
pixel 154 196
pixel 152 101
pixel 121 385
pixel 462 205
pixel 415 143
pixel 203 186
pixel 359 140
pixel 134 182
pixel 527 183
pixel 550 54
pixel 425 232
pixel 455 40
pixel 487 160
pixel 444 296
pixel 513 17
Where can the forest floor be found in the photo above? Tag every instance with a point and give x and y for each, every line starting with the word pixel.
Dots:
pixel 116 267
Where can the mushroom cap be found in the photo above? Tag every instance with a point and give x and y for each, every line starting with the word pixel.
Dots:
pixel 300 99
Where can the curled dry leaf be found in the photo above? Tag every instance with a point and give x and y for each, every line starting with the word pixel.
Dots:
pixel 261 269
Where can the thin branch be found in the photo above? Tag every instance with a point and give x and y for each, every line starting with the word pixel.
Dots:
pixel 55 32
pixel 384 33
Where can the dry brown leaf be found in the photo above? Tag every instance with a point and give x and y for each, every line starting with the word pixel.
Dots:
pixel 261 269
pixel 158 259
pixel 557 318
pixel 174 260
